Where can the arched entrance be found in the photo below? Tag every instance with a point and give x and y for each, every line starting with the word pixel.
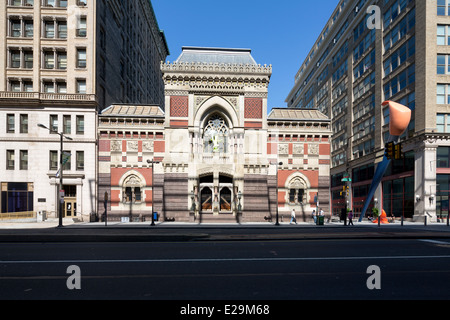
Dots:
pixel 216 194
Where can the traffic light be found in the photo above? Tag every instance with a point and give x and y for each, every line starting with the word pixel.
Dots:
pixel 389 150
pixel 398 152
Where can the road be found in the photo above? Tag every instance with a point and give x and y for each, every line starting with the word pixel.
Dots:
pixel 227 270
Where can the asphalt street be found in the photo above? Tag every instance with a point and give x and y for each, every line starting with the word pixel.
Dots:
pixel 266 270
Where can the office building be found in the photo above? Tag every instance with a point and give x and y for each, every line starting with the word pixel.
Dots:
pixel 356 65
pixel 61 62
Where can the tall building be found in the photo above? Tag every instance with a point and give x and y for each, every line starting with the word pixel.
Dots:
pixel 214 153
pixel 354 67
pixel 61 62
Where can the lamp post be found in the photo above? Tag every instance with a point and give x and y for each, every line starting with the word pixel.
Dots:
pixel 153 188
pixel 277 223
pixel 61 160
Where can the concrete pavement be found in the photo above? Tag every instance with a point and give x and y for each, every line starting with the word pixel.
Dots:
pixel 49 231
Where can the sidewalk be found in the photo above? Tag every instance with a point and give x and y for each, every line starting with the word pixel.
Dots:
pixel 48 231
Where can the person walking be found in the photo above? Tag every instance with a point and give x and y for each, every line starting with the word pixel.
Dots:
pixel 350 217
pixel 293 219
pixel 314 216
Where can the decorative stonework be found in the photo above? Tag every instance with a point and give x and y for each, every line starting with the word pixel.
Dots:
pixel 148 146
pixel 179 106
pixel 116 146
pixel 253 108
pixel 283 149
pixel 313 149
pixel 298 149
pixel 132 146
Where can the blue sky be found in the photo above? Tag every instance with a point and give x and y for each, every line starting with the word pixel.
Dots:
pixel 280 33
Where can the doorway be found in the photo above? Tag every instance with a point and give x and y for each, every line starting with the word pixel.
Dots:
pixel 70 201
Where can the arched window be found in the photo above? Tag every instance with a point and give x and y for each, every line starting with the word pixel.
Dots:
pixel 215 137
pixel 132 189
pixel 297 190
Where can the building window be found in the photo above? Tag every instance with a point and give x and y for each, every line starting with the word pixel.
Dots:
pixel 23 123
pixel 82 28
pixel 80 124
pixel 20 3
pixel 61 87
pixel 61 60
pixel 215 135
pixel 81 86
pixel 55 3
pixel 80 160
pixel 9 159
pixel 443 8
pixel 29 28
pixel 443 94
pixel 14 85
pixel 28 59
pixel 53 160
pixel 23 160
pixel 67 163
pixel 49 87
pixel 16 28
pixel 81 58
pixel 10 123
pixel 67 125
pixel 54 123
pixel 18 197
pixel 443 123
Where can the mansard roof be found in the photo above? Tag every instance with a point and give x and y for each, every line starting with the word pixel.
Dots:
pixel 216 56
pixel 297 114
pixel 120 110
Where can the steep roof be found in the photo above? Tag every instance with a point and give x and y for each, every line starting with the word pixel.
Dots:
pixel 297 114
pixel 133 111
pixel 216 55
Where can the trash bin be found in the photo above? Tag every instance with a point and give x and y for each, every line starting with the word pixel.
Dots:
pixel 320 220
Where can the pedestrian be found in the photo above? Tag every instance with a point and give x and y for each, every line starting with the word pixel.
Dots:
pixel 314 216
pixel 350 217
pixel 293 219
pixel 344 215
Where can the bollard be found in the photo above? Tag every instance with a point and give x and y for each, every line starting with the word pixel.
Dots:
pixel 425 220
pixel 402 220
pixel 448 216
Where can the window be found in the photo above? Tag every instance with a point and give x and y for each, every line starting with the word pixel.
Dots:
pixel 61 60
pixel 54 123
pixel 28 86
pixel 23 160
pixel 29 29
pixel 49 60
pixel 56 3
pixel 53 160
pixel 17 196
pixel 215 135
pixel 16 28
pixel 443 94
pixel 81 86
pixel 442 8
pixel 80 160
pixel 67 127
pixel 9 159
pixel 10 123
pixel 28 59
pixel 82 28
pixel 15 59
pixel 443 123
pixel 67 163
pixel 81 58
pixel 23 123
pixel 62 29
pixel 49 29
pixel 14 85
pixel 80 124
pixel 61 87
pixel 49 87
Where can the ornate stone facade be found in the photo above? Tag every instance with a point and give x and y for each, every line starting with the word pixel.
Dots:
pixel 218 153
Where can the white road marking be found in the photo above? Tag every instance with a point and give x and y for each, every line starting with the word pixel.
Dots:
pixel 224 260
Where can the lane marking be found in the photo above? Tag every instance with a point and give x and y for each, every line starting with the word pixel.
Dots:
pixel 435 241
pixel 223 260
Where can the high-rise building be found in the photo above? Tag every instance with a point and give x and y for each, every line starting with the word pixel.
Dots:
pixel 369 52
pixel 61 62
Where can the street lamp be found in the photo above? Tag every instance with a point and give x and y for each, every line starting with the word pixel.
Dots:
pixel 153 188
pixel 61 160
pixel 277 164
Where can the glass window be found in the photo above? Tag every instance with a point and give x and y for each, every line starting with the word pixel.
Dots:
pixel 80 124
pixel 9 159
pixel 10 123
pixel 54 123
pixel 80 161
pixel 23 160
pixel 23 123
pixel 53 160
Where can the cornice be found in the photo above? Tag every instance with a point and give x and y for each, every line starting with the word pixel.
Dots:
pixel 216 68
